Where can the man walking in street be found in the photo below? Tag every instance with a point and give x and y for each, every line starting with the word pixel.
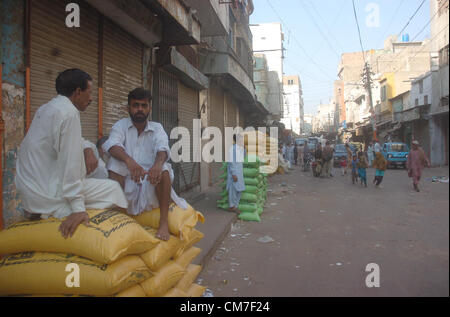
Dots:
pixel 370 153
pixel 235 167
pixel 140 153
pixel 51 168
pixel 327 157
pixel 417 161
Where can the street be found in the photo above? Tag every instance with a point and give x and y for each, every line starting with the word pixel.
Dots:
pixel 326 231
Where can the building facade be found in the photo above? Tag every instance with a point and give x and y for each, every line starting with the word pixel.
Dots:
pixel 172 47
pixel 293 115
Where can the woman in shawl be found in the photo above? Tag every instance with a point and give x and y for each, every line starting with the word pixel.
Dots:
pixel 380 164
pixel 362 168
pixel 417 160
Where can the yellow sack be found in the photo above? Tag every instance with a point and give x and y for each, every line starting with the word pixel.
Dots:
pixel 109 236
pixel 37 273
pixel 162 253
pixel 166 278
pixel 193 237
pixel 134 291
pixel 175 292
pixel 196 290
pixel 180 221
pixel 186 258
pixel 192 272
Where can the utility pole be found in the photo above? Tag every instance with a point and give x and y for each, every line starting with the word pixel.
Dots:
pixel 367 81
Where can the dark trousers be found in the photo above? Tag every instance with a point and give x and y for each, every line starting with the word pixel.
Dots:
pixel 378 179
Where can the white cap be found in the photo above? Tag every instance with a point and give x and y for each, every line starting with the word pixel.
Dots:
pixel 415 142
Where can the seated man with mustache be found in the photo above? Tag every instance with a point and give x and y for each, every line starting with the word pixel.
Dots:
pixel 140 152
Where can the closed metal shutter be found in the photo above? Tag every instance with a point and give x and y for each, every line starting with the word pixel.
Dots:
pixel 188 99
pixel 55 47
pixel 165 109
pixel 122 60
pixel 217 120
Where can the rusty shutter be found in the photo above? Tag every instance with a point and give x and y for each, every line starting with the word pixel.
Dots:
pixel 55 47
pixel 165 110
pixel 189 172
pixel 217 113
pixel 122 62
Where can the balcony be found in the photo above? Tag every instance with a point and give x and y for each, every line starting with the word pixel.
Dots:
pixel 212 16
pixel 223 61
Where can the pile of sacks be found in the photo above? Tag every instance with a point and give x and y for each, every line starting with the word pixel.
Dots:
pixel 255 195
pixel 114 255
pixel 266 148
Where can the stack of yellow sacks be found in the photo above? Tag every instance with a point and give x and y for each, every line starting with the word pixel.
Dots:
pixel 256 142
pixel 114 255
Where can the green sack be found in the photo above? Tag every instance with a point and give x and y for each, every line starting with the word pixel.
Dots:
pixel 252 198
pixel 251 181
pixel 250 216
pixel 251 172
pixel 251 189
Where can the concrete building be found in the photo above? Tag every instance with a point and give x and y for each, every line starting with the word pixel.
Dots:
pixel 268 40
pixel 194 55
pixel 323 121
pixel 293 113
pixel 439 115
pixel 308 119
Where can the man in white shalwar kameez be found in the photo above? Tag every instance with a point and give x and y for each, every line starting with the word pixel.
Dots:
pixel 235 168
pixel 51 167
pixel 140 152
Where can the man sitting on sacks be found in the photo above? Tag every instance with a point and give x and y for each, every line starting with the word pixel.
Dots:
pixel 51 168
pixel 139 153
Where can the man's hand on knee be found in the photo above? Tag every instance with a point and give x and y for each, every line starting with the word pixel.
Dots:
pixel 155 174
pixel 70 225
pixel 90 160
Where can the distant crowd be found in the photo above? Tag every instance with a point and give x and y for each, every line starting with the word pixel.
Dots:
pixel 351 159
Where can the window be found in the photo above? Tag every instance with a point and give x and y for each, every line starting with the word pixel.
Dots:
pixel 417 102
pixel 290 82
pixel 421 87
pixel 398 147
pixel 383 93
pixel 425 100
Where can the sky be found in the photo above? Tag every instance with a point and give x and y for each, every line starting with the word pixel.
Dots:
pixel 317 32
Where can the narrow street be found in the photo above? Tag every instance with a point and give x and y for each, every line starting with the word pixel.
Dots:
pixel 325 232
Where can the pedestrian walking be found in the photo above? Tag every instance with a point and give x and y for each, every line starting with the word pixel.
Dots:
pixel 343 165
pixel 354 164
pixel 380 164
pixel 349 157
pixel 318 160
pixel 370 153
pixel 295 153
pixel 362 168
pixel 417 161
pixel 327 157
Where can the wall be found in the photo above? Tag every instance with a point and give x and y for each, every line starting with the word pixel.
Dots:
pixel 427 90
pixel 13 96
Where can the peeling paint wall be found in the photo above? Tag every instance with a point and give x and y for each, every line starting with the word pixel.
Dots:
pixel 13 97
pixel 13 115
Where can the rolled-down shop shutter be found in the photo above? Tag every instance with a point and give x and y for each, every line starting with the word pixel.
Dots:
pixel 165 109
pixel 55 47
pixel 189 172
pixel 217 120
pixel 122 69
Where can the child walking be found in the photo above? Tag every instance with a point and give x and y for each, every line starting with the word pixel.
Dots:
pixel 343 165
pixel 380 165
pixel 354 169
pixel 362 168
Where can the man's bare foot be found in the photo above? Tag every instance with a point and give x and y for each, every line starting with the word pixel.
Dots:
pixel 234 209
pixel 163 232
